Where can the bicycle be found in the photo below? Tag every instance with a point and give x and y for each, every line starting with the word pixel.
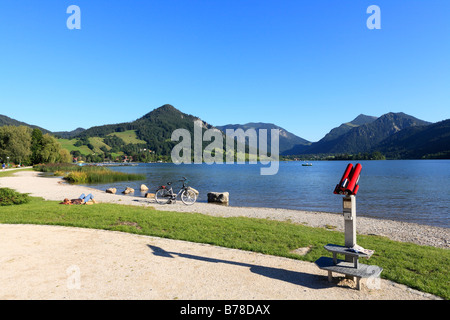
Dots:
pixel 165 194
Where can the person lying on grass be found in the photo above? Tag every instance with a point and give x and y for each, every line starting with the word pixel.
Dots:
pixel 81 199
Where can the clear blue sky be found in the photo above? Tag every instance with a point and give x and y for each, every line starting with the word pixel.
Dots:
pixel 307 66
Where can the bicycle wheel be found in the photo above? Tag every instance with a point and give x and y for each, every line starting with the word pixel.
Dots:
pixel 162 196
pixel 188 197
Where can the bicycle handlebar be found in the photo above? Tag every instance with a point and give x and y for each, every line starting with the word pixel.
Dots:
pixel 184 179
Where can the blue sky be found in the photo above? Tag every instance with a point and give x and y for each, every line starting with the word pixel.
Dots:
pixel 307 66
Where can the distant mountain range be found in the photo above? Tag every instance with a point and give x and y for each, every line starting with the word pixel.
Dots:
pixel 431 140
pixel 7 121
pixel 396 135
pixel 69 134
pixel 287 140
pixel 363 134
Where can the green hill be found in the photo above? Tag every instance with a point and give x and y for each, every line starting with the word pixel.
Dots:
pixel 145 139
pixel 396 135
pixel 153 131
pixel 431 141
pixel 365 137
pixel 7 121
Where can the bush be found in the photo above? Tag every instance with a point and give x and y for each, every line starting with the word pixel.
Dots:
pixel 101 175
pixel 87 174
pixel 10 197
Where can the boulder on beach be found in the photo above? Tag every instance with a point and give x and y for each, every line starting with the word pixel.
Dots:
pixel 219 197
pixel 149 195
pixel 195 191
pixel 111 190
pixel 144 187
pixel 128 190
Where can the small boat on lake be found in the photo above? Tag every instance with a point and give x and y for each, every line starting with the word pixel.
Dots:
pixel 306 164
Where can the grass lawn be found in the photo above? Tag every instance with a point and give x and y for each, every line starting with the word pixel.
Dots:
pixel 97 143
pixel 69 145
pixel 128 136
pixel 10 173
pixel 420 267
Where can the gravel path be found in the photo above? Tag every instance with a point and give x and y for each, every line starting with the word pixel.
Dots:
pixel 52 262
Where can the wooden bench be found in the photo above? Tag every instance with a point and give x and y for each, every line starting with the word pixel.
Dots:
pixel 353 268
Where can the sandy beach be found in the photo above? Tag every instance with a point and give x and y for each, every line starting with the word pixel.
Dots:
pixel 52 262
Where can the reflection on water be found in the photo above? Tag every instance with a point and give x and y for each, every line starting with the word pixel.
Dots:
pixel 406 190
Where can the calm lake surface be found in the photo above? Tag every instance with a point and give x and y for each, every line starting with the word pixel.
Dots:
pixel 405 190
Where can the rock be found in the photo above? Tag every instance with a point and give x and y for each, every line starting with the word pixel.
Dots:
pixel 302 251
pixel 111 190
pixel 219 197
pixel 196 191
pixel 144 187
pixel 149 195
pixel 128 190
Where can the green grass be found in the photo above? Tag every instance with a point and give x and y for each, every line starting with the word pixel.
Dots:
pixel 421 267
pixel 9 197
pixel 69 145
pixel 10 173
pixel 97 143
pixel 128 136
pixel 100 176
pixel 87 174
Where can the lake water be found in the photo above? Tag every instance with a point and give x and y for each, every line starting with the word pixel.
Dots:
pixel 406 190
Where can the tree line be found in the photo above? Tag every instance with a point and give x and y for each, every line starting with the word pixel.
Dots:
pixel 25 146
pixel 376 155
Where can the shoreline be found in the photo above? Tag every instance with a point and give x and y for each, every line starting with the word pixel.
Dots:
pixel 40 260
pixel 54 188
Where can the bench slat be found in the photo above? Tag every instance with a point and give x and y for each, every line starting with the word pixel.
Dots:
pixel 347 268
pixel 344 250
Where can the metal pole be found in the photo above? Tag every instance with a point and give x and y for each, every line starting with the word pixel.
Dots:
pixel 349 209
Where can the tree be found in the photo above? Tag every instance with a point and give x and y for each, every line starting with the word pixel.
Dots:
pixel 36 146
pixel 65 156
pixel 15 143
pixel 50 149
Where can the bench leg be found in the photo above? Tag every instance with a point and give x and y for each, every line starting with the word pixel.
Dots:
pixel 355 262
pixel 350 277
pixel 330 276
pixel 358 283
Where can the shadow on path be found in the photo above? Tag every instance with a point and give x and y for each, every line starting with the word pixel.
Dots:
pixel 298 278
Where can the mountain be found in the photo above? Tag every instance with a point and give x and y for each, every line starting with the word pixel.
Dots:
pixel 68 134
pixel 396 135
pixel 7 121
pixel 330 138
pixel 364 137
pixel 152 131
pixel 287 139
pixel 429 141
pixel 345 127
